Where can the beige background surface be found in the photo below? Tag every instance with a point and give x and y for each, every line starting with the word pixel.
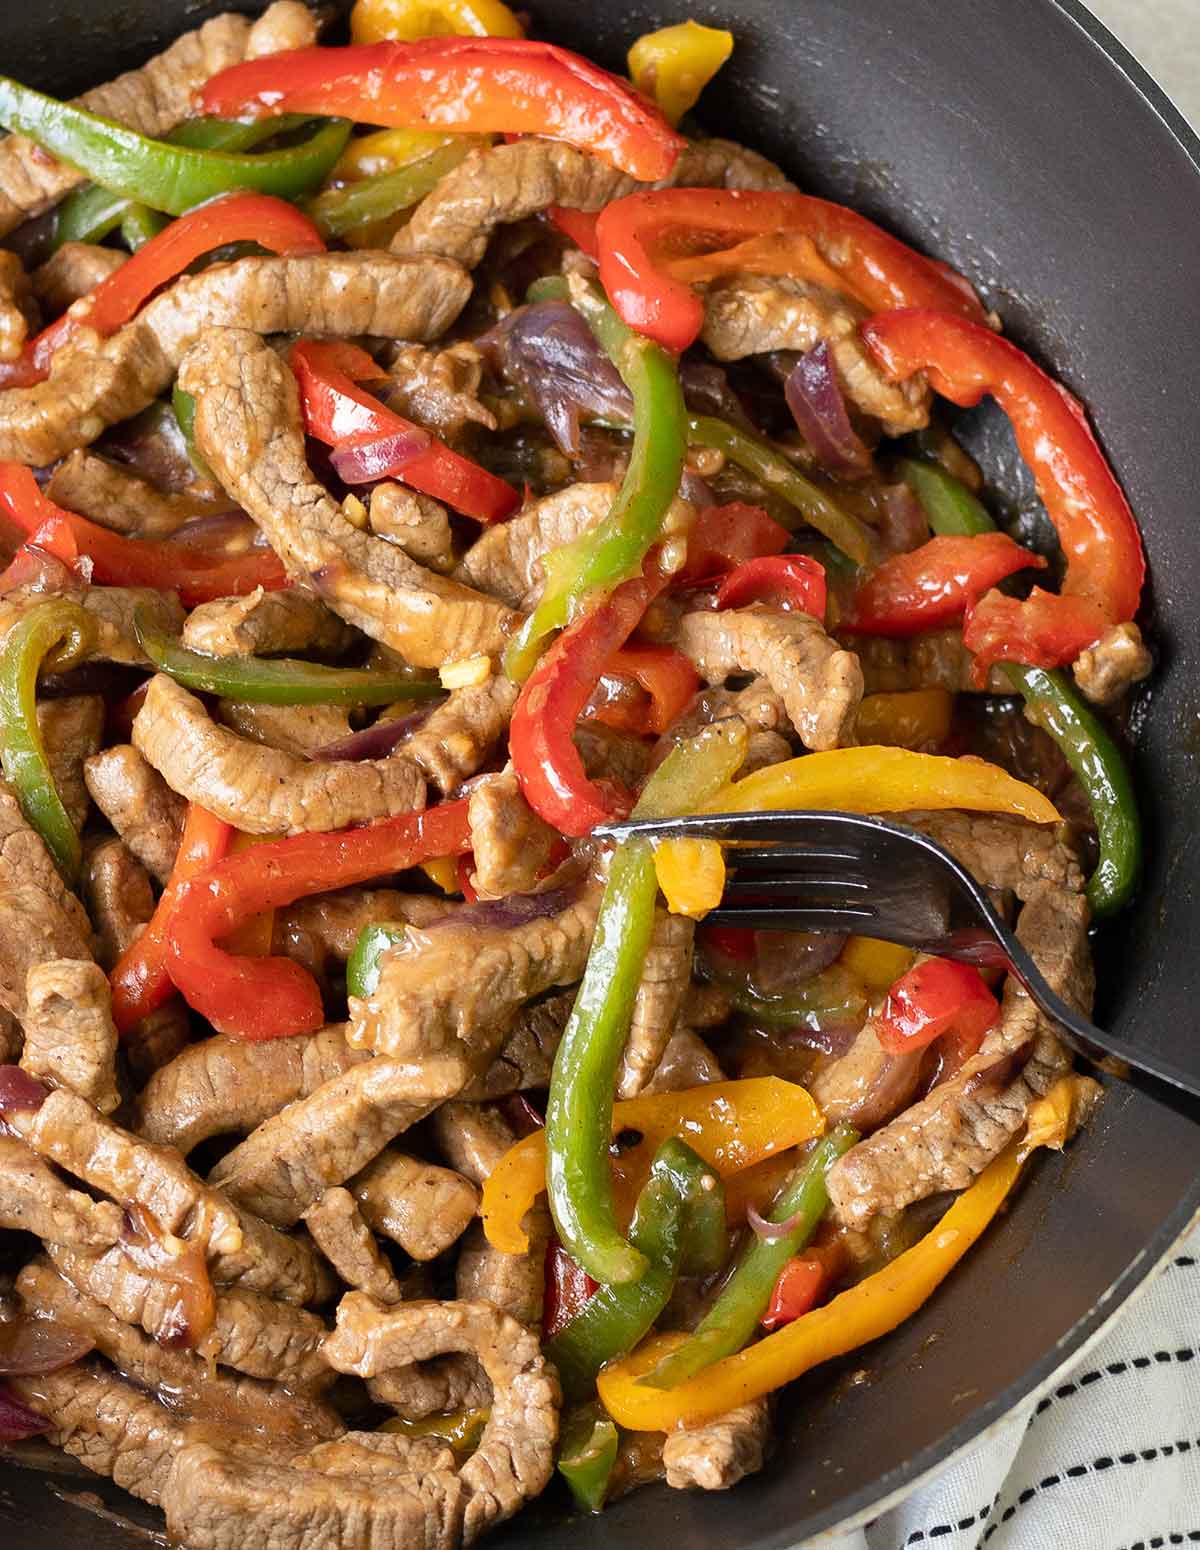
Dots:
pixel 1165 37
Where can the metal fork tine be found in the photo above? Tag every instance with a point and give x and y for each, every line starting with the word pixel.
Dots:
pixel 791 882
pixel 786 918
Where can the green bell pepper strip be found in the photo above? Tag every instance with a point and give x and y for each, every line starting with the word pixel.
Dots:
pixel 732 1320
pixel 139 224
pixel 89 214
pixel 614 549
pixel 184 408
pixel 681 1209
pixel 782 478
pixel 363 966
pixel 1053 704
pixel 339 210
pixel 462 1429
pixel 171 178
pixel 834 996
pixel 587 1453
pixel 579 1109
pixel 276 680
pixel 57 632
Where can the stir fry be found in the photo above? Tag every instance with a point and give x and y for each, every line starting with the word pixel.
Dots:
pixel 417 452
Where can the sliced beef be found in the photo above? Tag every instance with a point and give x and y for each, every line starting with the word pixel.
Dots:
pixel 1113 664
pixel 818 682
pixel 112 610
pixel 458 738
pixel 266 624
pixel 527 1055
pixel 510 843
pixel 472 1137
pixel 94 383
pixel 441 1386
pixel 1002 852
pixel 326 926
pixel 512 182
pixel 241 386
pixel 116 497
pixel 866 1086
pixel 287 1163
pixel 686 1062
pixel 608 754
pixel 72 731
pixel 71 271
pixel 666 974
pixel 439 388
pixel 70 1039
pixel 943 1141
pixel 297 730
pixel 459 985
pixel 17 307
pixel 418 1205
pixel 139 804
pixel 720 1452
pixel 753 314
pixel 263 790
pixel 40 918
pixel 338 1228
pixel 417 525
pixel 936 659
pixel 34 1199
pixel 116 889
pixel 506 560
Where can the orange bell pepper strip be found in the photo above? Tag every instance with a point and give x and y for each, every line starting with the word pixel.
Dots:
pixel 935 584
pixel 481 85
pixel 139 980
pixel 637 234
pixel 196 575
pixel 272 223
pixel 793 582
pixel 874 1307
pixel 1096 528
pixel 268 998
pixel 731 1125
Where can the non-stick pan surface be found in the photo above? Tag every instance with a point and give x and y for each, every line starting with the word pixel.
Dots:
pixel 1017 140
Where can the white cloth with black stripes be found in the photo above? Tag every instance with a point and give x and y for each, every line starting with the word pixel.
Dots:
pixel 1107 1459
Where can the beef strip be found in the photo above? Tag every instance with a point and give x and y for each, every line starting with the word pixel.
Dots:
pixel 666 974
pixel 112 610
pixel 339 1230
pixel 506 559
pixel 418 1205
pixel 151 99
pixel 527 1054
pixel 1113 664
pixel 509 183
pixel 297 730
pixel 116 497
pixel 818 682
pixel 243 390
pixel 943 1141
pixel 18 311
pixel 71 271
pixel 266 624
pixel 377 1453
pixel 72 731
pixel 866 1086
pixel 444 1385
pixel 719 1453
pixel 40 918
pixel 34 1199
pixel 116 889
pixel 416 524
pixel 750 314
pixel 439 388
pixel 70 1039
pixel 686 1062
pixel 327 926
pixel 510 843
pixel 458 738
pixel 263 790
pixel 936 659
pixel 94 382
pixel 1002 852
pixel 139 804
pixel 460 986
pixel 472 1137
pixel 611 755
pixel 516 1452
pixel 292 1158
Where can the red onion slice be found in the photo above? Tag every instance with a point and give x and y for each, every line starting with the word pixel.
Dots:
pixel 19 1090
pixel 770 1231
pixel 30 1347
pixel 518 909
pixel 379 740
pixel 17 1420
pixel 819 409
pixel 362 462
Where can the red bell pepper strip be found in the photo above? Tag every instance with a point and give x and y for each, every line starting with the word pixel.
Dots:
pixel 269 998
pixel 568 1289
pixel 137 562
pixel 1096 528
pixel 799 1284
pixel 934 585
pixel 272 223
pixel 579 226
pixel 637 232
pixel 140 982
pixel 540 740
pixel 792 581
pixel 723 537
pixel 51 549
pixel 481 85
pixel 339 413
pixel 668 678
pixel 936 996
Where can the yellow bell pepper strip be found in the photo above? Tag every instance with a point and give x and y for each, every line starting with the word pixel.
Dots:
pixel 912 718
pixel 863 1313
pixel 731 1125
pixel 675 64
pixel 877 964
pixel 691 875
pixel 1054 1118
pixel 579 1109
pixel 375 21
pixel 462 1429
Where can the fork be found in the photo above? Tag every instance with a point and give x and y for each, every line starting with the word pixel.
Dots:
pixel 841 872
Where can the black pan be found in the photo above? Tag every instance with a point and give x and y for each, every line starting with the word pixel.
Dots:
pixel 1016 139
